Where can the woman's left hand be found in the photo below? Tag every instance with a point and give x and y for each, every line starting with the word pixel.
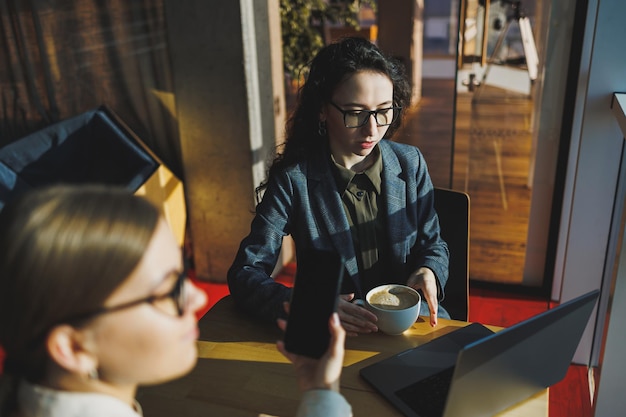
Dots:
pixel 424 279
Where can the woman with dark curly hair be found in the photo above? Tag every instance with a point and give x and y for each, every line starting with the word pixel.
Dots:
pixel 340 184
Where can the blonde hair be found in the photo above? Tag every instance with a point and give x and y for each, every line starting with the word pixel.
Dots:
pixel 63 251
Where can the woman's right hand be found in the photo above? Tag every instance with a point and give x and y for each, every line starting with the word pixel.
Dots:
pixel 322 373
pixel 354 317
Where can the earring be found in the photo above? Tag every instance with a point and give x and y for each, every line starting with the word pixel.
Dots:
pixel 93 374
pixel 321 128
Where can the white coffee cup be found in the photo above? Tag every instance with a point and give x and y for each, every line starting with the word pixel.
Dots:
pixel 396 306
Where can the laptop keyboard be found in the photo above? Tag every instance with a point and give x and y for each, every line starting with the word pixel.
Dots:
pixel 427 397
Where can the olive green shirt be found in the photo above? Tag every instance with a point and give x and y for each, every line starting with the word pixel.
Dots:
pixel 361 196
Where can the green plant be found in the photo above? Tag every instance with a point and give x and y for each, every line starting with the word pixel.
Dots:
pixel 302 24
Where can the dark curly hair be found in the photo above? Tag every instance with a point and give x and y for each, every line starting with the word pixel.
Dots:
pixel 330 67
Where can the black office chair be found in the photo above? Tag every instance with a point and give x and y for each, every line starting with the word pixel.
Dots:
pixel 453 209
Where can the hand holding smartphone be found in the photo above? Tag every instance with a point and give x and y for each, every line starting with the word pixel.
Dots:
pixel 313 300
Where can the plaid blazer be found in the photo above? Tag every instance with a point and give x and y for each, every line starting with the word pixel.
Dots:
pixel 303 201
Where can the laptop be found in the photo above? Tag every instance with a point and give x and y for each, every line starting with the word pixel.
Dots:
pixel 473 371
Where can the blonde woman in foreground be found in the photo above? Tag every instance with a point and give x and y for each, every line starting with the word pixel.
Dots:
pixel 94 302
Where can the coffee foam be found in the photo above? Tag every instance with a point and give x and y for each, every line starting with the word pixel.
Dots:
pixel 396 300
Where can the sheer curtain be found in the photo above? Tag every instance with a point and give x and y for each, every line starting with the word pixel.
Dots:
pixel 59 58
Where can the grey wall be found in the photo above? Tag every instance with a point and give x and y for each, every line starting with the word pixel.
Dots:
pixel 224 105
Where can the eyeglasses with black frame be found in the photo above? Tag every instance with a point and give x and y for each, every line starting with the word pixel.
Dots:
pixel 177 294
pixel 358 118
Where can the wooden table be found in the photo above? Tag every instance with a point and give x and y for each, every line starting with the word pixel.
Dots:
pixel 240 372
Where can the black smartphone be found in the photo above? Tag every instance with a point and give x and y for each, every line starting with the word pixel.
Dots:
pixel 313 300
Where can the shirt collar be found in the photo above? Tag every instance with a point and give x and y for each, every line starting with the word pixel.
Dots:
pixel 344 175
pixel 36 400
